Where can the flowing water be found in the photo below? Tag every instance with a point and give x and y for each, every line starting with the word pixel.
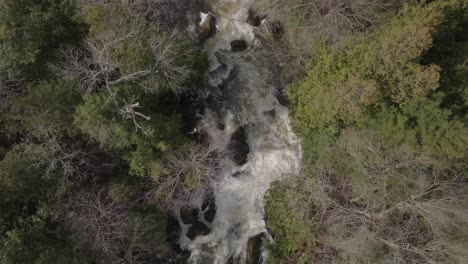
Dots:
pixel 241 93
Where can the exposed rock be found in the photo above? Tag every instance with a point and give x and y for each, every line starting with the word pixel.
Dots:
pixel 189 215
pixel 207 27
pixel 238 45
pixel 271 113
pixel 192 112
pixel 172 231
pixel 238 147
pixel 210 207
pixel 197 229
pixel 254 18
pixel 238 174
pixel 283 99
pixel 254 248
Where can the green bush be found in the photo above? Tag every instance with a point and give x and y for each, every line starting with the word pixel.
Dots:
pixel 293 232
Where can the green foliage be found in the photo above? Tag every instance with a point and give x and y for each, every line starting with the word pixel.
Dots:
pixel 163 60
pixel 306 26
pixel 139 145
pixel 344 81
pixel 382 118
pixel 292 230
pixel 450 51
pixel 21 169
pixel 31 29
pixel 421 123
pixel 48 131
pixel 96 119
pixel 30 242
pixel 133 51
pixel 44 110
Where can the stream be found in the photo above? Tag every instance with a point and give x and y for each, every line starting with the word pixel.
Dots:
pixel 242 104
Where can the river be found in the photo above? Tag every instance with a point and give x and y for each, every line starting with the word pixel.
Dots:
pixel 242 99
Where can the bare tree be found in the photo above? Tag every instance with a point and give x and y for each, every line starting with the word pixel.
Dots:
pixel 167 14
pixel 66 164
pixel 424 223
pixel 94 65
pixel 298 28
pixel 105 225
pixel 186 177
pixel 8 87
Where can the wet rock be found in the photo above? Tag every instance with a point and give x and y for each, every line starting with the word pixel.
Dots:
pixel 172 233
pixel 229 80
pixel 210 207
pixel 238 45
pixel 189 215
pixel 238 174
pixel 238 147
pixel 221 126
pixel 254 18
pixel 192 112
pixel 220 70
pixel 283 99
pixel 214 102
pixel 254 249
pixel 197 229
pixel 271 113
pixel 207 27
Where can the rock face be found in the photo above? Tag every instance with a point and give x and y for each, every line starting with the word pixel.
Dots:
pixel 207 27
pixel 238 45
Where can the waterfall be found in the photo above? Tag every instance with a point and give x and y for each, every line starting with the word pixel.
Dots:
pixel 241 96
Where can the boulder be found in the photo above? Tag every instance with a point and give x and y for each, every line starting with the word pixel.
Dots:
pixel 238 147
pixel 238 45
pixel 254 18
pixel 254 248
pixel 197 229
pixel 210 207
pixel 207 27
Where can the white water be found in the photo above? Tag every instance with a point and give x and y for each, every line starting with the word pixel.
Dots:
pixel 249 100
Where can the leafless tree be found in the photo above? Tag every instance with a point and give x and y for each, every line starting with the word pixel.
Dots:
pixel 298 28
pixel 67 164
pixel 186 177
pixel 8 87
pixel 93 66
pixel 167 14
pixel 105 225
pixel 424 223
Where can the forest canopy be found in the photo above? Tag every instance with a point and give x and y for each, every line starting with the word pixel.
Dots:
pixel 94 152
